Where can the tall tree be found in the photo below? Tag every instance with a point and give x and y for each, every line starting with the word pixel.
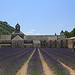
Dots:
pixel 73 33
pixel 67 34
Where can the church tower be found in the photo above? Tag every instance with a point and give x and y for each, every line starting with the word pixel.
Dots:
pixel 17 28
pixel 17 32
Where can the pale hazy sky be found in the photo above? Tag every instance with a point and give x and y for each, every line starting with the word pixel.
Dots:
pixel 45 17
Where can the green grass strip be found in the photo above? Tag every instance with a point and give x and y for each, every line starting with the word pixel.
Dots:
pixel 31 56
pixel 39 51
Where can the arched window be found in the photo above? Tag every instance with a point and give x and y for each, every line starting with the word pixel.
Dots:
pixel 61 43
pixel 50 43
pixel 55 43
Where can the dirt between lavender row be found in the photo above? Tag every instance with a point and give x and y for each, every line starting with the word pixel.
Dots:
pixel 46 68
pixel 72 72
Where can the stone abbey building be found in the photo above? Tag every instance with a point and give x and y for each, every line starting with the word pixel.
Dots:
pixel 19 39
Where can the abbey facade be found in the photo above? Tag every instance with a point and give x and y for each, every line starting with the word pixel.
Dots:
pixel 19 39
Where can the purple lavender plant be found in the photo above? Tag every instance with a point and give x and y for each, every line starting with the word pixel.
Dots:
pixel 35 65
pixel 65 55
pixel 54 64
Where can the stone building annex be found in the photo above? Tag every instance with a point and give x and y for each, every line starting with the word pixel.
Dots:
pixel 19 39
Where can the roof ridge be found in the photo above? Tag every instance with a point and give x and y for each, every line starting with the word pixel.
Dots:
pixel 17 37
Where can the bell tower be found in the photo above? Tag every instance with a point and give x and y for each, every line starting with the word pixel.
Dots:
pixel 17 28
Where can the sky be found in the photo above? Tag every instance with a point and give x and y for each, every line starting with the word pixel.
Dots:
pixel 39 17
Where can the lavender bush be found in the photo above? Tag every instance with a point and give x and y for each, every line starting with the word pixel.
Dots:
pixel 54 64
pixel 35 65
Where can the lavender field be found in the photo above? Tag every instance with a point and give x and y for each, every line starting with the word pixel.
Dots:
pixel 37 61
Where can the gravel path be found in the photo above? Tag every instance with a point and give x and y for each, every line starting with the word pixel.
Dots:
pixel 23 70
pixel 46 68
pixel 72 72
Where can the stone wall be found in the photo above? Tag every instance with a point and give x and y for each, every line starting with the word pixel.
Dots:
pixel 46 43
pixel 71 43
pixel 5 43
pixel 17 43
pixel 55 43
pixel 28 45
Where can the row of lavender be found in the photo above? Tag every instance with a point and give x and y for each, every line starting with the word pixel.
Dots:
pixel 35 65
pixel 11 59
pixel 65 55
pixel 53 63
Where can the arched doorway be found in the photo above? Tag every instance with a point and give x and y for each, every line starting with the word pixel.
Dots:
pixel 73 44
pixel 17 43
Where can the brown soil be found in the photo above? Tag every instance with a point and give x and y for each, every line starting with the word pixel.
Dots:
pixel 46 68
pixel 23 70
pixel 72 72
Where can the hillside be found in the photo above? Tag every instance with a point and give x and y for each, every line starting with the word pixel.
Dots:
pixel 5 28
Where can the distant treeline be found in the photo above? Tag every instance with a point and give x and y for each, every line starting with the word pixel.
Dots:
pixel 5 28
pixel 69 34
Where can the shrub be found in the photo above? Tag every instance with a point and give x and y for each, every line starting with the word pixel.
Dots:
pixel 74 48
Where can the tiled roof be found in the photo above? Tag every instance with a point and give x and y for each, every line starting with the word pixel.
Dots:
pixel 17 38
pixel 18 33
pixel 36 41
pixel 72 38
pixel 40 37
pixel 5 37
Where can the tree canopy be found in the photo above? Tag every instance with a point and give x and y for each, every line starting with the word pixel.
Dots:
pixel 69 34
pixel 5 28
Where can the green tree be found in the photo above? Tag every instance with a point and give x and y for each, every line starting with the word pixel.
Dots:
pixel 73 33
pixel 67 34
pixel 5 28
pixel 62 31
